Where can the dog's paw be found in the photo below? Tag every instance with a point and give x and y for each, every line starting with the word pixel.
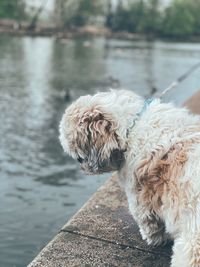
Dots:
pixel 159 239
pixel 156 239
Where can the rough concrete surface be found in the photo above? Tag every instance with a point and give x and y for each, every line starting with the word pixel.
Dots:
pixel 106 217
pixel 73 250
pixel 104 234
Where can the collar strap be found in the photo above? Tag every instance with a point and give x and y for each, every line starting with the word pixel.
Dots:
pixel 147 102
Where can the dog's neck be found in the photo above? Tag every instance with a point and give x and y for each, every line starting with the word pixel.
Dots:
pixel 138 115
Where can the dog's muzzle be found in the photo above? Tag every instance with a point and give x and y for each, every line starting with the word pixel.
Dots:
pixel 94 164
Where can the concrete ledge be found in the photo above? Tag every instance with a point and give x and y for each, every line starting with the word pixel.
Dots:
pixel 104 234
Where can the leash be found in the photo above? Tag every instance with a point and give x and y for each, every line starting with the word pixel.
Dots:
pixel 148 101
pixel 175 83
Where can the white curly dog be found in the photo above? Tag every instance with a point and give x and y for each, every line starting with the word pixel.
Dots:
pixel 155 148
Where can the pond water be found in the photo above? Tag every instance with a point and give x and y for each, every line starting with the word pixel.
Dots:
pixel 41 188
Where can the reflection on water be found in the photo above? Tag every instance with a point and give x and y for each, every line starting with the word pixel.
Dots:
pixel 41 187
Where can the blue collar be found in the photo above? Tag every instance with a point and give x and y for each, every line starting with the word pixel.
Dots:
pixel 147 102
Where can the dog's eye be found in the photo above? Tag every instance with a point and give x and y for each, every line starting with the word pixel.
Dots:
pixel 80 160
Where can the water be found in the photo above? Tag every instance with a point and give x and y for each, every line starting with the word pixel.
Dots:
pixel 41 188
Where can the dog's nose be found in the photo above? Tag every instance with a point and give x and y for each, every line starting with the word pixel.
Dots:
pixel 90 165
pixel 93 167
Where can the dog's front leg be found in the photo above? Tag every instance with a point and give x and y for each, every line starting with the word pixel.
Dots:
pixel 152 229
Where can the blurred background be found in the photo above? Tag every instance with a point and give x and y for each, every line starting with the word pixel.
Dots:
pixel 53 51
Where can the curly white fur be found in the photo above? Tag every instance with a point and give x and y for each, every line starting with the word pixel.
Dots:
pixel 160 172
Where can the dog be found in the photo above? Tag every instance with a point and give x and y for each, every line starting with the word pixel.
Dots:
pixel 155 148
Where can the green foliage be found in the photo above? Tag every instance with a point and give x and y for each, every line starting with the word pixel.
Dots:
pixel 13 9
pixel 180 19
pixel 127 18
pixel 86 11
pixel 137 16
pixel 152 17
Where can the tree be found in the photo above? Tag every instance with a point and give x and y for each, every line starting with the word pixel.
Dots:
pixel 86 11
pixel 152 16
pixel 60 12
pixel 194 6
pixel 36 16
pixel 109 14
pixel 130 17
pixel 179 20
pixel 14 9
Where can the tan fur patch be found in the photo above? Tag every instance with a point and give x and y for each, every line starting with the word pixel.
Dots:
pixel 194 251
pixel 157 178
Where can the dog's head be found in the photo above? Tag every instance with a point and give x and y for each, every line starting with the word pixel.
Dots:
pixel 89 132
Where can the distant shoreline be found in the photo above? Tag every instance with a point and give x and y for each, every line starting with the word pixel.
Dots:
pixel 14 28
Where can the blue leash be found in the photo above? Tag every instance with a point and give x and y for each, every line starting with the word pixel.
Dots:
pixel 147 102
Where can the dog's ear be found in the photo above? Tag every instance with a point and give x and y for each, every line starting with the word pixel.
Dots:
pixel 97 122
pixel 98 138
